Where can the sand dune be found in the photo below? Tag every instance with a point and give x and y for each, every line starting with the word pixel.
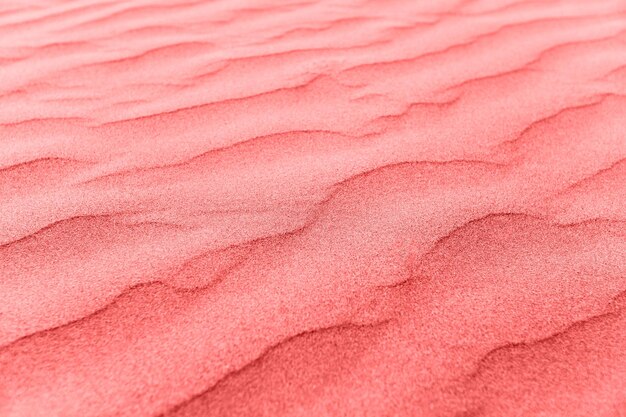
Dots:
pixel 313 208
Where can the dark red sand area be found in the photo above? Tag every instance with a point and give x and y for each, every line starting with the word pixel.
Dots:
pixel 313 208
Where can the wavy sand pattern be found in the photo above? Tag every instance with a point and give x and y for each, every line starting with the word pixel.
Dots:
pixel 313 208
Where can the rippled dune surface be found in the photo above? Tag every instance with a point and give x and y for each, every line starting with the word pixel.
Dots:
pixel 313 208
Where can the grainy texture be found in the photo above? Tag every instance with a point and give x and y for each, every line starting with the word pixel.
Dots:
pixel 313 208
